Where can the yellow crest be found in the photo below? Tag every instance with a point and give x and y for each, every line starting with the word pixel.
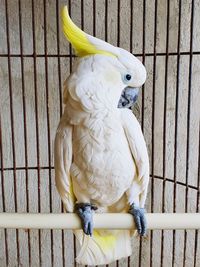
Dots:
pixel 84 44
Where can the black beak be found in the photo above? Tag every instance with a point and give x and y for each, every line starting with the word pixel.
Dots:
pixel 128 97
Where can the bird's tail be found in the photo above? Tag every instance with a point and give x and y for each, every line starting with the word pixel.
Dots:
pixel 104 247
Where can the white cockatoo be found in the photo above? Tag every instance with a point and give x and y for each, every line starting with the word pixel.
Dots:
pixel 101 159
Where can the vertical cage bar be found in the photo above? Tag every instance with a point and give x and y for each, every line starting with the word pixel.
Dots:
pixel 176 126
pixel 164 127
pixel 143 59
pixel 48 120
pixel 131 26
pixel 197 205
pixel 24 120
pixel 94 17
pixel 12 122
pixel 36 121
pixel 58 53
pixel 106 20
pixel 2 190
pixel 153 123
pixel 82 15
pixel 70 47
pixel 188 124
pixel 118 22
pixel 143 100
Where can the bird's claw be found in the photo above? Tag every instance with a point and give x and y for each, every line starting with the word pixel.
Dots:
pixel 139 218
pixel 85 213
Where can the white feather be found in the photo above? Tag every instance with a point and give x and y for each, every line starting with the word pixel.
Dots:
pixel 100 151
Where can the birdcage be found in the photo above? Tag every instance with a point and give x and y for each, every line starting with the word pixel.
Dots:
pixel 36 59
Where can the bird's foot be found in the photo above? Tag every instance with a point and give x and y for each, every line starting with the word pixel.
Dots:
pixel 85 213
pixel 139 219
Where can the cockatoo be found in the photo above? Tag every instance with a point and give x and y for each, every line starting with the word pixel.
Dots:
pixel 101 159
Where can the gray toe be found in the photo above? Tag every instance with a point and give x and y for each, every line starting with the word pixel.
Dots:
pixel 85 213
pixel 139 219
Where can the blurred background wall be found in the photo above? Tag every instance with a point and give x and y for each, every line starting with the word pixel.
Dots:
pixel 35 59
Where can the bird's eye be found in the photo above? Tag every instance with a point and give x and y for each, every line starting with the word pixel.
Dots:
pixel 127 77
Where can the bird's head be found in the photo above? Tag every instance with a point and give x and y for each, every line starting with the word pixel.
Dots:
pixel 116 65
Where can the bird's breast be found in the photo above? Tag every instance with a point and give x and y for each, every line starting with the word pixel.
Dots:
pixel 102 162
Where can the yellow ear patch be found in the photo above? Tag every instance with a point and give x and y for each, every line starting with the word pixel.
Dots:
pixel 78 38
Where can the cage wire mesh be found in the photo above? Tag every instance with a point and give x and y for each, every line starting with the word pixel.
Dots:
pixel 36 59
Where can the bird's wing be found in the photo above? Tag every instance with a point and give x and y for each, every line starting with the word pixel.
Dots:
pixel 63 160
pixel 140 155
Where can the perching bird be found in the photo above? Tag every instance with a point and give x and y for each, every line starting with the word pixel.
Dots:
pixel 101 160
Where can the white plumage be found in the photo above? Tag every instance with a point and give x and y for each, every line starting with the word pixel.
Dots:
pixel 100 153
